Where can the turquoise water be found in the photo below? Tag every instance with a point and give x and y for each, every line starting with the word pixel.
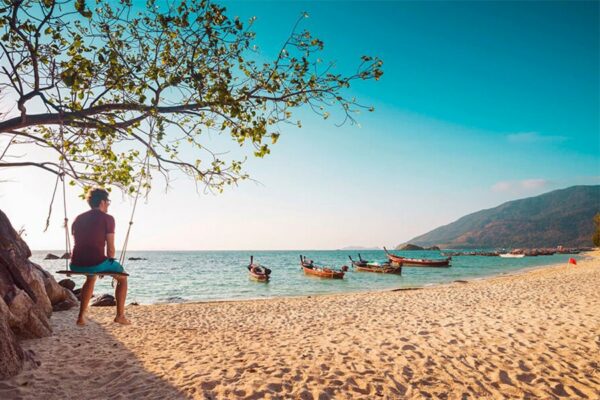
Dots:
pixel 177 276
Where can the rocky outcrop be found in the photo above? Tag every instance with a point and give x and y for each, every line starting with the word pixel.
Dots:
pixel 51 256
pixel 11 354
pixel 67 283
pixel 409 246
pixel 105 300
pixel 27 296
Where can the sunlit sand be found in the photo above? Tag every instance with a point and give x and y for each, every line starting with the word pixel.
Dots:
pixel 530 335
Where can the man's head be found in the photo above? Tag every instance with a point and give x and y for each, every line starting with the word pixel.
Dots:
pixel 98 198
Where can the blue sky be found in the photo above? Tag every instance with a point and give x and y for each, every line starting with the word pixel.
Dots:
pixel 480 103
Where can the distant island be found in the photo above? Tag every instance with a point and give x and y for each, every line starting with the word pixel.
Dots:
pixel 558 218
pixel 410 246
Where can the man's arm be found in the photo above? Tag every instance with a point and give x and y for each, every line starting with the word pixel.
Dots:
pixel 110 245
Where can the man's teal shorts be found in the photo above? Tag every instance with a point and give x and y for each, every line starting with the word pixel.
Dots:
pixel 107 265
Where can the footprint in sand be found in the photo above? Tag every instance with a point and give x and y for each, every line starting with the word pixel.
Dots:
pixel 275 387
pixel 209 385
pixel 526 378
pixel 504 378
pixel 560 391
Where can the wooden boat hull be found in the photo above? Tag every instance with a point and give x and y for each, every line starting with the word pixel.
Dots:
pixel 358 264
pixel 382 270
pixel 258 272
pixel 416 262
pixel 410 262
pixel 323 272
pixel 259 277
pixel 395 259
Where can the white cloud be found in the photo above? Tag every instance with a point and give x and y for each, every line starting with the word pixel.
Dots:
pixel 533 183
pixel 501 187
pixel 533 137
pixel 519 186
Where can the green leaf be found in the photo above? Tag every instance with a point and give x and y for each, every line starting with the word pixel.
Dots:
pixel 80 7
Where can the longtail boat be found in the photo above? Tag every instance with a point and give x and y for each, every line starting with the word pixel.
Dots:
pixel 258 272
pixel 310 268
pixel 367 266
pixel 511 255
pixel 359 263
pixel 417 262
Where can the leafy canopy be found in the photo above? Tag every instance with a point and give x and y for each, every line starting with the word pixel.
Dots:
pixel 99 85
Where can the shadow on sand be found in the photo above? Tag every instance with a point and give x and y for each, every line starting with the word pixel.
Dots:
pixel 85 363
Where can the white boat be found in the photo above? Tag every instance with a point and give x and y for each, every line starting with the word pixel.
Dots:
pixel 509 255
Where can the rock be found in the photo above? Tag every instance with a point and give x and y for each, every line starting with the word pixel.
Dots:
pixel 106 300
pixel 30 319
pixel 409 246
pixel 65 256
pixel 64 305
pixel 51 256
pixel 69 301
pixel 67 283
pixel 55 292
pixel 27 296
pixel 11 353
pixel 433 248
pixel 136 258
pixel 134 303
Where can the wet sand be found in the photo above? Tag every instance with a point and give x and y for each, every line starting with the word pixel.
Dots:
pixel 531 335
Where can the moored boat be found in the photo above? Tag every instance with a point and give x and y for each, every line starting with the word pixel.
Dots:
pixel 258 272
pixel 510 255
pixel 417 262
pixel 367 266
pixel 393 257
pixel 310 268
pixel 359 263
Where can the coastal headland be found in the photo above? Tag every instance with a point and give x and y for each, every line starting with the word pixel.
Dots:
pixel 530 335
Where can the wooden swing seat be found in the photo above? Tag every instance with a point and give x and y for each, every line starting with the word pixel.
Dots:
pixel 100 274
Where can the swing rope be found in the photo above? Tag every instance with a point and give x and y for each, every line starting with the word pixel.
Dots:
pixel 66 221
pixel 137 196
pixel 61 176
pixel 146 171
pixel 51 203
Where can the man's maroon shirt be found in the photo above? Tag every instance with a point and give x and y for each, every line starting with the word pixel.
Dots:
pixel 90 230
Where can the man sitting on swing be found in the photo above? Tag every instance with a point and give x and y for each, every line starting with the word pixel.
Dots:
pixel 93 230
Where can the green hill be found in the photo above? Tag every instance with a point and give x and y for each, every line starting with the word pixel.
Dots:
pixel 562 217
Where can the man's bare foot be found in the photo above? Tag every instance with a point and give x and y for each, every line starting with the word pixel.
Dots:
pixel 80 321
pixel 122 321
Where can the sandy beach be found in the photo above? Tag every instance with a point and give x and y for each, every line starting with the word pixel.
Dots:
pixel 532 335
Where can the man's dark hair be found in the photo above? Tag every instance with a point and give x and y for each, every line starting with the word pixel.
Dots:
pixel 95 196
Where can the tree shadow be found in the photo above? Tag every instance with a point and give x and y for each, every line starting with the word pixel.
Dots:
pixel 85 362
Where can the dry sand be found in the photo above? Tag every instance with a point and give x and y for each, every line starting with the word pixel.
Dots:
pixel 534 335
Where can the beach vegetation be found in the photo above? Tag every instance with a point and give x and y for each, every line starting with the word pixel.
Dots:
pixel 110 91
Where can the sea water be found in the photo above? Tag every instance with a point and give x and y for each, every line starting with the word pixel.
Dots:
pixel 178 276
